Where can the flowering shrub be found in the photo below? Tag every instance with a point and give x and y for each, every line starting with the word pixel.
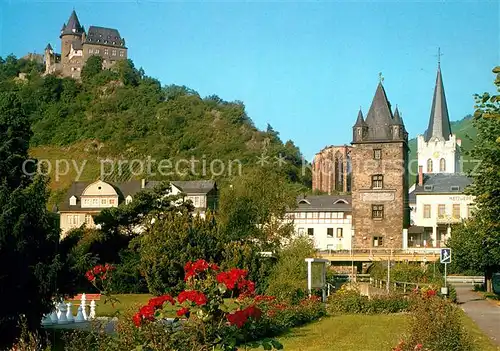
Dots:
pixel 202 319
pixel 435 324
pixel 100 278
pixel 203 310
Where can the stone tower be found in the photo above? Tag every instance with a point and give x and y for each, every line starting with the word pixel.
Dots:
pixel 71 36
pixel 379 159
pixel 438 150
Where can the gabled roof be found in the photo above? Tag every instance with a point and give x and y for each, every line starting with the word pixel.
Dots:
pixel 122 189
pixel 73 26
pixel 104 36
pixel 439 122
pixel 195 186
pixel 324 203
pixel 442 183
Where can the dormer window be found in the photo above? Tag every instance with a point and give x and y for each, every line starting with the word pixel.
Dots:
pixel 455 188
pixel 72 200
pixel 428 187
pixel 128 199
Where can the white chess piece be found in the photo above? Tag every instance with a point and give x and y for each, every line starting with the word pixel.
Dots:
pixel 84 306
pixel 62 316
pixel 79 316
pixel 92 309
pixel 69 314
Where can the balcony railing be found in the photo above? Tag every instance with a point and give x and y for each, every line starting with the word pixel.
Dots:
pixel 445 219
pixel 374 252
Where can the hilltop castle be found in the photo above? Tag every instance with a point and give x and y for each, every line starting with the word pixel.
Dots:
pixel 77 46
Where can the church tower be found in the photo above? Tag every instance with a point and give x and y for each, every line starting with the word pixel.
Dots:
pixel 380 209
pixel 438 150
pixel 71 38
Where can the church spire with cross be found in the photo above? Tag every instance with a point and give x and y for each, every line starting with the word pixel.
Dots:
pixel 439 121
pixel 438 150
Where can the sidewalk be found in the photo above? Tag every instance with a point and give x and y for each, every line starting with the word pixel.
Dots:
pixel 484 313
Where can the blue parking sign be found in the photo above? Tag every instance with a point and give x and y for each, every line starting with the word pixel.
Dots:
pixel 446 255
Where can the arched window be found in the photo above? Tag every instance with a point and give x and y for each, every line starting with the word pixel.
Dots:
pixel 442 165
pixel 429 166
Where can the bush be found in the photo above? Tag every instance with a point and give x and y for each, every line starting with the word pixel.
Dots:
pixel 288 278
pixel 204 320
pixel 435 325
pixel 349 300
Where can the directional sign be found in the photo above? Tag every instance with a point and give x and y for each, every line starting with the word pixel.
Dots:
pixel 446 255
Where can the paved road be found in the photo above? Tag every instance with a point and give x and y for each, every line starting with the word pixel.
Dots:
pixel 483 312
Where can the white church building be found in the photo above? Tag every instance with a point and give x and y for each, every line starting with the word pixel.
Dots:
pixel 437 198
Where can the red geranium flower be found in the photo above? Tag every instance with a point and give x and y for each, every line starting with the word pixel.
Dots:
pixel 147 311
pixel 183 311
pixel 137 318
pixel 431 293
pixel 192 295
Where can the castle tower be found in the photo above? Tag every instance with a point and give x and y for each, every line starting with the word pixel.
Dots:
pixel 380 209
pixel 438 149
pixel 48 58
pixel 71 37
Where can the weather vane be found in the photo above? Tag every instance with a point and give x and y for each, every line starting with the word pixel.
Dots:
pixel 380 78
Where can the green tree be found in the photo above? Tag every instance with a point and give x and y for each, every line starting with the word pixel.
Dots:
pixel 477 244
pixel 28 232
pixel 170 243
pixel 288 278
pixel 92 67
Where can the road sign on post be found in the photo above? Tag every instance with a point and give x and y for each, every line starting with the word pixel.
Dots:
pixel 446 255
pixel 445 258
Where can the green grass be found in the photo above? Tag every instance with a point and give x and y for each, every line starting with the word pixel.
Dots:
pixel 347 332
pixel 363 333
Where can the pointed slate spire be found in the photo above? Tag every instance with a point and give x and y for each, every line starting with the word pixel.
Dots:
pixel 397 118
pixel 49 47
pixel 360 121
pixel 73 26
pixel 439 122
pixel 379 116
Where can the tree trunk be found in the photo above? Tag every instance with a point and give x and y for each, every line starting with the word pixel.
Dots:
pixel 487 280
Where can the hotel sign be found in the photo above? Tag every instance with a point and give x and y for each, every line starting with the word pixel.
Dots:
pixel 461 198
pixel 377 196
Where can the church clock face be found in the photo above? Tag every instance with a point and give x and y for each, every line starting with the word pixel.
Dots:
pixel 436 154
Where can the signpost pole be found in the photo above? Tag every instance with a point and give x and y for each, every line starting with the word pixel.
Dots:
pixel 445 271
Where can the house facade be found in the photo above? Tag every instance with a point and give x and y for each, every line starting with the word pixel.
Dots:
pixel 437 199
pixel 325 219
pixel 84 200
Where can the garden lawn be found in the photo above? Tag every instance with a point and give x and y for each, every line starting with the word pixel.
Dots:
pixel 363 333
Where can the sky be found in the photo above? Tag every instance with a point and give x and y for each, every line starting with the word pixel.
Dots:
pixel 303 67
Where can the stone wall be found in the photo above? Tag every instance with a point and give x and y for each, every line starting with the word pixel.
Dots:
pixel 393 195
pixel 324 175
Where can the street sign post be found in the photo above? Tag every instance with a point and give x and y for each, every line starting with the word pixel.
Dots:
pixel 445 259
